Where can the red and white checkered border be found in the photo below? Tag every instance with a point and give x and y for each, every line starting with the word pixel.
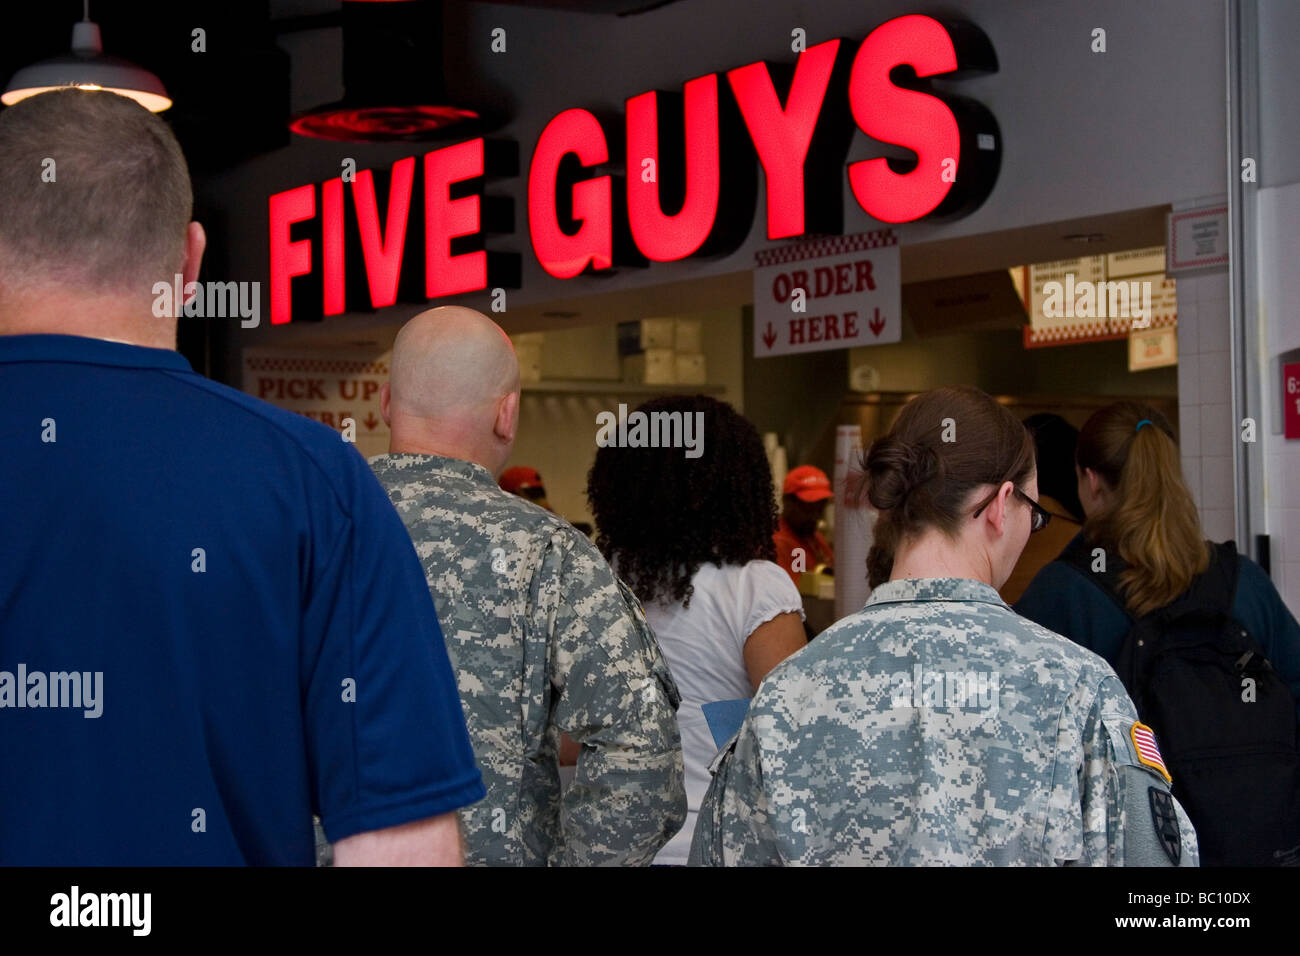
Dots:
pixel 827 246
pixel 1092 330
pixel 268 363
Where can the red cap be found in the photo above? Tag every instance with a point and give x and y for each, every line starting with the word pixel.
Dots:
pixel 516 479
pixel 808 484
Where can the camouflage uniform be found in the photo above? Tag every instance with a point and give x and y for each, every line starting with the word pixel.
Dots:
pixel 544 638
pixel 841 760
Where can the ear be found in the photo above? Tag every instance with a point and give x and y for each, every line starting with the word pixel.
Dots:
pixel 385 403
pixel 196 241
pixel 1096 484
pixel 507 419
pixel 996 512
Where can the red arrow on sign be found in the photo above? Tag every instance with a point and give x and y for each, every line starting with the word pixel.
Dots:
pixel 876 324
pixel 371 421
pixel 769 336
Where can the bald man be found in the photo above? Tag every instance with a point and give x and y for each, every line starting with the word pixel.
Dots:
pixel 544 638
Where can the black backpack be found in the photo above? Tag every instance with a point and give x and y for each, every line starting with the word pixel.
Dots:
pixel 1224 719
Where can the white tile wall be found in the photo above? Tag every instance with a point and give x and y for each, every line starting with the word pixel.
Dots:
pixel 1204 397
pixel 1289 527
pixel 1276 517
pixel 1280 489
pixel 1214 332
pixel 1189 377
pixel 1188 327
pixel 1216 377
pixel 1217 523
pixel 1217 434
pixel 1216 481
pixel 1287 579
pixel 1189 426
pixel 1192 477
pixel 1279 285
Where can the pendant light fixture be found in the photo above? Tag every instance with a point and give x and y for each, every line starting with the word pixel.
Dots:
pixel 88 67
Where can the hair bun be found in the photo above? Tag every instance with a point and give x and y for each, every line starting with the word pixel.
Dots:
pixel 896 469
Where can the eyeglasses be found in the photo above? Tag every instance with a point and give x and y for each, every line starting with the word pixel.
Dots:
pixel 1038 520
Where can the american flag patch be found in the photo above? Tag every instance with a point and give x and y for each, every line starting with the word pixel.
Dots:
pixel 1144 742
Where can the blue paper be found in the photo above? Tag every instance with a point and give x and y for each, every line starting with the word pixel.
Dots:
pixel 725 717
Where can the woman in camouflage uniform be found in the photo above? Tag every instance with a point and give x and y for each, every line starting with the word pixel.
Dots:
pixel 935 726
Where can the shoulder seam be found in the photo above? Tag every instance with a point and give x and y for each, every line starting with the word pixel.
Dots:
pixel 307 452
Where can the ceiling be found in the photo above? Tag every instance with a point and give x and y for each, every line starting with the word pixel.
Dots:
pixel 284 9
pixel 243 63
pixel 620 8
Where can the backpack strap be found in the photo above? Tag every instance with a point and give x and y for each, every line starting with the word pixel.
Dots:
pixel 1078 555
pixel 1216 587
pixel 1214 590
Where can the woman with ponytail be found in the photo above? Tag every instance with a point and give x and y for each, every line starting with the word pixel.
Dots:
pixel 935 726
pixel 1198 634
pixel 1141 516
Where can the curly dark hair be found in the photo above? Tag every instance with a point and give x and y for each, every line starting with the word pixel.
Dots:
pixel 661 515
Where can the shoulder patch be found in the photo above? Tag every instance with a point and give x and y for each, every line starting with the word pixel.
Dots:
pixel 1148 754
pixel 1165 819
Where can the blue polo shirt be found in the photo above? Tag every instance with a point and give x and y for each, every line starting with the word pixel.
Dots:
pixel 212 624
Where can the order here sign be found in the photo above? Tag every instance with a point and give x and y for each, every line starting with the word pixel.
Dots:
pixel 834 293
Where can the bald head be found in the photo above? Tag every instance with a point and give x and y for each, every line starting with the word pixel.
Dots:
pixel 451 360
pixel 454 387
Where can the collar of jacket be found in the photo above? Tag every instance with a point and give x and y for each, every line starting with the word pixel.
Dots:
pixel 935 589
pixel 431 465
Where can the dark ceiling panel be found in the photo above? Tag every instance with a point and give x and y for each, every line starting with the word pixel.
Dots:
pixel 620 8
pixel 232 99
pixel 291 9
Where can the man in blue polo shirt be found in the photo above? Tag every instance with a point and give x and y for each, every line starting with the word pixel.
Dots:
pixel 212 622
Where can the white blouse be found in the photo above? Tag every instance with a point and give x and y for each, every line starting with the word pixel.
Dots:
pixel 704 646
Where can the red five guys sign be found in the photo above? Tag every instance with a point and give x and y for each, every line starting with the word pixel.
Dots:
pixel 677 178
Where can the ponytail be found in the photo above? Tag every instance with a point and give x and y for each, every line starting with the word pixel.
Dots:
pixel 1151 520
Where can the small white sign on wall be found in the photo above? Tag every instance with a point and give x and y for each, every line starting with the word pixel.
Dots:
pixel 1198 239
pixel 1152 348
pixel 840 292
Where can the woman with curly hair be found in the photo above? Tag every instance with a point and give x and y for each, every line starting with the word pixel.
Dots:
pixel 692 537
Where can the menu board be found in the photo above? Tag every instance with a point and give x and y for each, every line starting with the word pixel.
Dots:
pixel 1099 298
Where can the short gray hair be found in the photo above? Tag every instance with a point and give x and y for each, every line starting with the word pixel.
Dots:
pixel 110 211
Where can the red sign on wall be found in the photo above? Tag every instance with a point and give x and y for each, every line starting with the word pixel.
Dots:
pixel 689 180
pixel 1291 399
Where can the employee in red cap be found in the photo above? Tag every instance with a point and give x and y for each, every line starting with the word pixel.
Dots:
pixel 526 483
pixel 799 545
